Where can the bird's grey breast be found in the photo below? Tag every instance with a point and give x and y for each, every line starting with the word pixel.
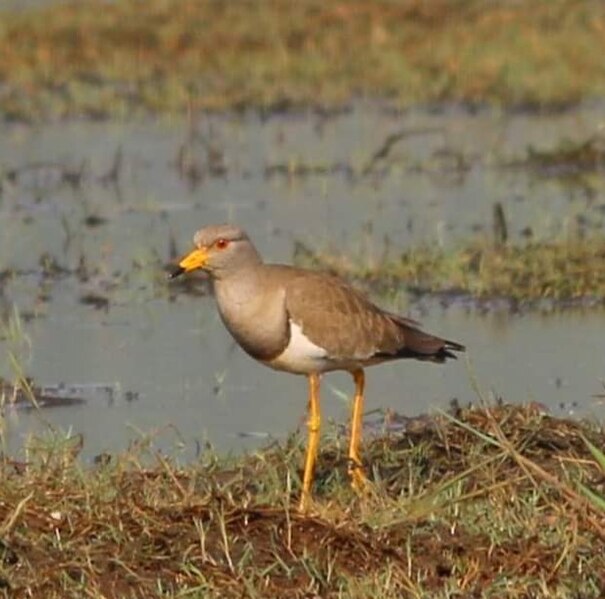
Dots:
pixel 254 314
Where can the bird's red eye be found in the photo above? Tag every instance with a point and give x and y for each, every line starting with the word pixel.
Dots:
pixel 221 243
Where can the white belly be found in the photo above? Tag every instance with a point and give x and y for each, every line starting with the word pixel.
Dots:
pixel 301 355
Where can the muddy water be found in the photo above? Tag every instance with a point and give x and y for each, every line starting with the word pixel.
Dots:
pixel 90 212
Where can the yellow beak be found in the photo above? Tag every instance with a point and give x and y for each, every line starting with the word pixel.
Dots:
pixel 192 261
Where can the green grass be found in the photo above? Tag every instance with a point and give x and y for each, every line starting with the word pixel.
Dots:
pixel 102 59
pixel 599 457
pixel 479 500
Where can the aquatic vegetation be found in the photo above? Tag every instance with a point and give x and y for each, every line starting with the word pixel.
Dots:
pixel 563 270
pixel 17 347
pixel 99 59
pixel 476 500
pixel 587 155
pixel 575 163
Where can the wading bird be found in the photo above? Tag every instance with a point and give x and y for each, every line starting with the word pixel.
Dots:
pixel 305 322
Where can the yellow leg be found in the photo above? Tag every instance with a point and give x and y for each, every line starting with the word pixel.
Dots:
pixel 313 425
pixel 358 479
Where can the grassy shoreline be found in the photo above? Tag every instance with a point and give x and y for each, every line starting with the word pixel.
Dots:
pixel 97 59
pixel 493 501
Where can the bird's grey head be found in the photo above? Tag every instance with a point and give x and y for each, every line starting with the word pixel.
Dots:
pixel 221 250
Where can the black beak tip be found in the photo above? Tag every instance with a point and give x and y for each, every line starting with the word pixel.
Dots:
pixel 175 272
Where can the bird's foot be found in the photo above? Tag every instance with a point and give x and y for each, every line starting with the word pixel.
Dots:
pixel 359 481
pixel 305 505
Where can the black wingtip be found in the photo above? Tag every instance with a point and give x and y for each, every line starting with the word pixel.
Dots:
pixel 176 272
pixel 454 346
pixel 446 351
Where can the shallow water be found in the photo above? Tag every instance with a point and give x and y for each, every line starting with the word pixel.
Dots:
pixel 106 202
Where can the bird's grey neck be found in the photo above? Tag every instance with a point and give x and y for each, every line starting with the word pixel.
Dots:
pixel 245 268
pixel 245 280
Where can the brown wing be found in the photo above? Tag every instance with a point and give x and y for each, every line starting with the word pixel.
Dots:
pixel 343 321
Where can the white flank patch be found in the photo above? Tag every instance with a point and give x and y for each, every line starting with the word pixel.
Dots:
pixel 301 355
